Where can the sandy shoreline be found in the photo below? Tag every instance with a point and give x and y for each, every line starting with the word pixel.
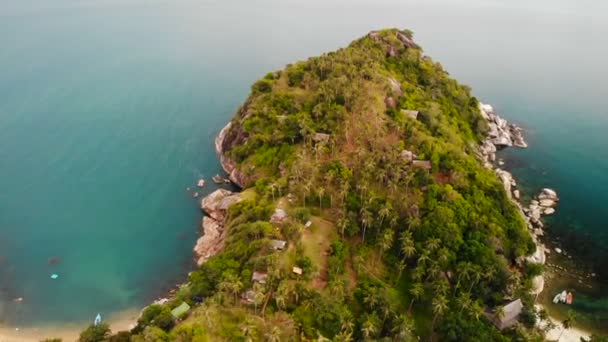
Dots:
pixel 119 321
pixel 569 335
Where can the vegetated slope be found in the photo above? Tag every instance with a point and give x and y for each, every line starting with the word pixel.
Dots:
pixel 410 236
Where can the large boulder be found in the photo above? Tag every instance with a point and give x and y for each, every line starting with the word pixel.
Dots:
pixel 407 156
pixel 211 242
pixel 217 203
pixel 395 87
pixel 539 255
pixel 503 139
pixel 507 180
pixel 547 203
pixel 538 284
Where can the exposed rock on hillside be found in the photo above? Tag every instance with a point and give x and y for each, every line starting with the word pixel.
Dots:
pixel 215 205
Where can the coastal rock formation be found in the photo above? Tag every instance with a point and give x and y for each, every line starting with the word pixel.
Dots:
pixel 507 180
pixel 211 242
pixel 544 204
pixel 501 133
pixel 226 139
pixel 216 204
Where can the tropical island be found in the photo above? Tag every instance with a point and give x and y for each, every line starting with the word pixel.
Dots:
pixel 370 209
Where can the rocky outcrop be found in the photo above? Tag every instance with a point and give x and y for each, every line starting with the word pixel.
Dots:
pixel 500 134
pixel 215 205
pixel 404 38
pixel 211 242
pixel 507 181
pixel 229 137
pixel 395 87
pixel 543 204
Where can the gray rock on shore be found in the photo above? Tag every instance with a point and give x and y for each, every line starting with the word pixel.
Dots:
pixel 211 242
pixel 215 205
pixel 500 134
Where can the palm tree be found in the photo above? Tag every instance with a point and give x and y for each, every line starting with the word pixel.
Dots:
pixel 344 336
pixel 464 301
pixel 384 212
pixel 433 244
pixel 347 326
pixel 464 272
pixel 387 240
pixel 371 299
pixel 342 224
pixel 477 309
pixel 279 299
pixel 307 187
pixel 400 268
pixel 568 322
pixel 336 288
pixel 320 193
pixel 440 305
pixel 370 326
pixel 272 189
pixel 416 291
pixel 274 335
pixel 476 275
pixel 366 219
pixel 407 245
pixel 402 328
pixel 423 259
pixel 500 312
pixel 232 285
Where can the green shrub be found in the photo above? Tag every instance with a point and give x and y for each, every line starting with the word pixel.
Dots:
pixel 95 333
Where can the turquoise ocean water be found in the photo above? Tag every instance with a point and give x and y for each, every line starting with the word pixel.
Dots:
pixel 108 110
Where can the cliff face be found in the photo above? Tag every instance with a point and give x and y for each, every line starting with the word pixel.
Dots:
pixel 228 137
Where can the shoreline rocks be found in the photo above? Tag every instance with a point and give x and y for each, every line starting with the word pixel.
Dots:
pixel 502 134
pixel 215 205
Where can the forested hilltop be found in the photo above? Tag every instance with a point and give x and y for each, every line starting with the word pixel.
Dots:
pixel 365 161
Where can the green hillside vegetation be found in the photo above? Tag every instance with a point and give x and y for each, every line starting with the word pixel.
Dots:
pixel 395 251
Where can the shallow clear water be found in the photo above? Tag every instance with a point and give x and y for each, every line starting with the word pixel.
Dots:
pixel 108 110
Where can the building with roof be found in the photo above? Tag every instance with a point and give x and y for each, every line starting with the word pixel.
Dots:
pixel 509 316
pixel 278 245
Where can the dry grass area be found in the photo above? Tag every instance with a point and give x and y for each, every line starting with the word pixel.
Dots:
pixel 316 241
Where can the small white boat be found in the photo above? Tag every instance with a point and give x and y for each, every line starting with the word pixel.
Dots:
pixel 560 297
pixel 201 183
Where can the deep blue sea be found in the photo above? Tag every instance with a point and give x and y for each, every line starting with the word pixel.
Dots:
pixel 108 110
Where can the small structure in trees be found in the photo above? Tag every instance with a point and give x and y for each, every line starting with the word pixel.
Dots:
pixel 249 296
pixel 412 114
pixel 408 156
pixel 259 277
pixel 297 270
pixel 422 164
pixel 509 315
pixel 180 311
pixel 278 245
pixel 321 137
pixel 278 216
